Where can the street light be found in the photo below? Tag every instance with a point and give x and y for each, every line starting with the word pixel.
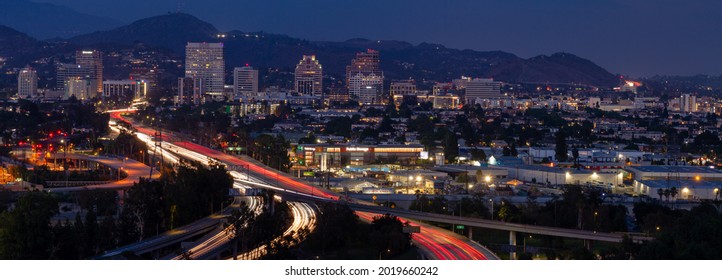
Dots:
pixel 492 208
pixel 530 237
pixel 387 252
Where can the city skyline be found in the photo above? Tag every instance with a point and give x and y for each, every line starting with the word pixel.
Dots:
pixel 639 38
pixel 169 139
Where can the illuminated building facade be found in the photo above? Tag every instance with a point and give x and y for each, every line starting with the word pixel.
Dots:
pixel 27 83
pixel 364 78
pixel 245 82
pixel 343 155
pixel 204 61
pixel 93 61
pixel 309 76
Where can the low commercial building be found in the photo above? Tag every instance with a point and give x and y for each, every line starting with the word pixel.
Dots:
pixel 686 189
pixel 326 156
pixel 558 176
pixel 488 174
pixel 673 172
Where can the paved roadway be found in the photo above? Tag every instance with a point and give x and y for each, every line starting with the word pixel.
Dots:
pixel 270 176
pixel 174 236
pixel 304 216
pixel 134 171
pixel 439 243
pixel 217 242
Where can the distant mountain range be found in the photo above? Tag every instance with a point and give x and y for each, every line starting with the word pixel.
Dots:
pixel 58 21
pixel 399 60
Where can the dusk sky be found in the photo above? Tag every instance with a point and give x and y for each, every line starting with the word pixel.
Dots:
pixel 635 37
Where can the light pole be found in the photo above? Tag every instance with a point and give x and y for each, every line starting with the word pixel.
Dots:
pixel 530 237
pixel 387 252
pixel 492 208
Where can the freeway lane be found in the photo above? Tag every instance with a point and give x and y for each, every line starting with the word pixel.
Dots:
pixel 498 225
pixel 269 175
pixel 426 238
pixel 133 169
pixel 209 247
pixel 438 243
pixel 173 236
pixel 303 217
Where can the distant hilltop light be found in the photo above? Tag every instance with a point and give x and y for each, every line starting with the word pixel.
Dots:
pixel 633 83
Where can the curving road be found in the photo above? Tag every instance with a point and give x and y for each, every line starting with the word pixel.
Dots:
pixel 438 243
pixel 303 217
pixel 217 242
pixel 133 169
pixel 452 247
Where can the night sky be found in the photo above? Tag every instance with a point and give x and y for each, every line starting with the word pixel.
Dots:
pixel 634 37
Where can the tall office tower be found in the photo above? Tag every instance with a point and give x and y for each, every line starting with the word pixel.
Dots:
pixel 688 103
pixel 189 91
pixel 477 89
pixel 364 74
pixel 204 61
pixel 93 60
pixel 125 89
pixel 149 74
pixel 70 71
pixel 245 82
pixel 82 89
pixel 27 83
pixel 309 76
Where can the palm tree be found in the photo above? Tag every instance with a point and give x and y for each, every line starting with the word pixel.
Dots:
pixel 660 193
pixel 667 193
pixel 673 192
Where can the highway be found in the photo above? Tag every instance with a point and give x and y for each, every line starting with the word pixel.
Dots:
pixel 213 245
pixel 499 225
pixel 272 177
pixel 133 169
pixel 438 243
pixel 174 236
pixel 304 216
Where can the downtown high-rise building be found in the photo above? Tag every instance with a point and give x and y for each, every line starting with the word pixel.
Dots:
pixel 481 89
pixel 204 61
pixel 81 89
pixel 66 71
pixel 245 82
pixel 688 103
pixel 93 61
pixel 127 90
pixel 27 83
pixel 364 78
pixel 401 89
pixel 309 76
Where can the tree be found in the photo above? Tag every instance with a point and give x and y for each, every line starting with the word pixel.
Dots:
pixel 339 126
pixel 142 211
pixel 478 154
pixel 240 222
pixel 25 232
pixel 561 146
pixel 387 236
pixel 660 193
pixel 451 146
pixel 673 192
